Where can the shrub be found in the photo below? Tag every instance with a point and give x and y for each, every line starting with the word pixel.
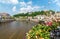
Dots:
pixel 40 31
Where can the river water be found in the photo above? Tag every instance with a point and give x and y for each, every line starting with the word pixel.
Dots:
pixel 15 29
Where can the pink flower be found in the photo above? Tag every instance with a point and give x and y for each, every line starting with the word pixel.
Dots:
pixel 49 23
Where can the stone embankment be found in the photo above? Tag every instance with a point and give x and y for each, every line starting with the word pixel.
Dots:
pixel 6 20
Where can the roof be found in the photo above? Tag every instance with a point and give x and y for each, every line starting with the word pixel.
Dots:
pixel 4 14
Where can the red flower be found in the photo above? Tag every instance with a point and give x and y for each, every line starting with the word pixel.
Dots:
pixel 49 23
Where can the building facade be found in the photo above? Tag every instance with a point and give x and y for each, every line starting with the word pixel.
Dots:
pixel 4 16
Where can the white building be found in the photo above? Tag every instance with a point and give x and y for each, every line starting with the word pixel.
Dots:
pixel 4 16
pixel 40 17
pixel 57 15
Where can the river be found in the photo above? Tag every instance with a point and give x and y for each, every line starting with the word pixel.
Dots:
pixel 15 29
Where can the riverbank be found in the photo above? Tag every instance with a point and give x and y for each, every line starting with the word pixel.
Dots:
pixel 6 20
pixel 32 20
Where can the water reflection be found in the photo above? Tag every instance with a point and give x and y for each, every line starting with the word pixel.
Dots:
pixel 15 30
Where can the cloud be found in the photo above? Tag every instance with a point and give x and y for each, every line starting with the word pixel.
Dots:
pixel 23 4
pixel 9 1
pixel 27 7
pixel 29 3
pixel 57 2
pixel 14 9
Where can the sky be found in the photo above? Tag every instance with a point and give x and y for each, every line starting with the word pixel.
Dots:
pixel 22 6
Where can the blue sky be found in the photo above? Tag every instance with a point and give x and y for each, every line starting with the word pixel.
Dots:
pixel 22 6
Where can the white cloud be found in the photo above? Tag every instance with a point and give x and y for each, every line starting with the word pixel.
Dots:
pixel 57 2
pixel 14 1
pixel 9 1
pixel 14 9
pixel 22 4
pixel 27 7
pixel 29 3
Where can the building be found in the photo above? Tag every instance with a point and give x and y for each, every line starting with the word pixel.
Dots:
pixel 57 14
pixel 4 16
pixel 40 17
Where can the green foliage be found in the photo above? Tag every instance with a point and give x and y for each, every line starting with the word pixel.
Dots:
pixel 39 31
pixel 35 13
